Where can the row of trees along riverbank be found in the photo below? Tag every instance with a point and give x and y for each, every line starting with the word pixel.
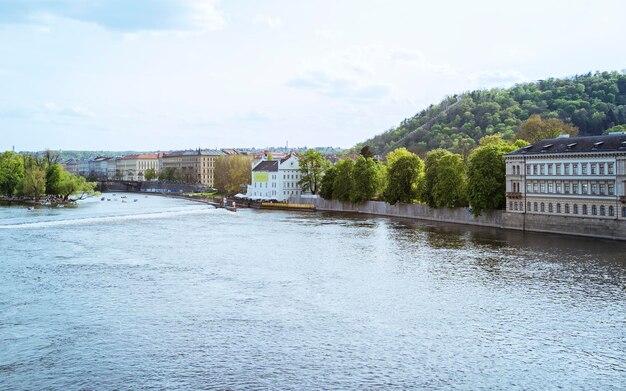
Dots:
pixel 441 179
pixel 27 176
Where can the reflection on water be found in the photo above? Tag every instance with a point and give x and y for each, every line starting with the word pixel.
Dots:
pixel 165 293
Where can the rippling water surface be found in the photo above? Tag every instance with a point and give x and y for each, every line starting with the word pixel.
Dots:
pixel 170 294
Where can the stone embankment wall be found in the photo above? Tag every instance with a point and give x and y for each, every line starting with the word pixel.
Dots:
pixel 592 227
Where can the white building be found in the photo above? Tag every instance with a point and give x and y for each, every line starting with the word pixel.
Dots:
pixel 133 167
pixel 112 171
pixel 83 167
pixel 577 177
pixel 275 179
pixel 98 167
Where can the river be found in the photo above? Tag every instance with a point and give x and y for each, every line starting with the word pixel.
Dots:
pixel 169 294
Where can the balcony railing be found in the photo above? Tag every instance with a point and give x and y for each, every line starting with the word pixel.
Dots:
pixel 514 194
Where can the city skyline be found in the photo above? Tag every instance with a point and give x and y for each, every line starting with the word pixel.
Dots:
pixel 178 74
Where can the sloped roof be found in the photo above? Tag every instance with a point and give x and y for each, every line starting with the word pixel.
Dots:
pixel 266 165
pixel 141 156
pixel 605 143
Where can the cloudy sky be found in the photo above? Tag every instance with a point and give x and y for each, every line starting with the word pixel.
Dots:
pixel 167 74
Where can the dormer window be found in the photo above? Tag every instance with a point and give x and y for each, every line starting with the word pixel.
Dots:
pixel 572 145
pixel 599 143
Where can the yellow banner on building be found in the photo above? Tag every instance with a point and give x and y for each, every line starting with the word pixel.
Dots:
pixel 261 177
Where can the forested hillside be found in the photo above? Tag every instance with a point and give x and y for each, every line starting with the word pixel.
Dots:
pixel 594 103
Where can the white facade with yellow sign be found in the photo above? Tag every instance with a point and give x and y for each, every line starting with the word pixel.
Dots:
pixel 275 179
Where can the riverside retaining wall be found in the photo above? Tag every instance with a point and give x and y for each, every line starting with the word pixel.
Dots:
pixel 568 225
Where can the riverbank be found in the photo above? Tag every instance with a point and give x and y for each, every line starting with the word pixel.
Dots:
pixel 614 229
pixel 42 202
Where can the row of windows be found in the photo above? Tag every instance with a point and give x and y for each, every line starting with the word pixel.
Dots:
pixel 602 168
pixel 596 210
pixel 592 188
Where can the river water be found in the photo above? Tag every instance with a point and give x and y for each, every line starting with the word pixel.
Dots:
pixel 170 294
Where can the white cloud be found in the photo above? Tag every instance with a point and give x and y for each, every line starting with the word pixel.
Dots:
pixel 340 87
pixel 270 21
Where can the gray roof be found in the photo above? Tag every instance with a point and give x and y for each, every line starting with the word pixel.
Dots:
pixel 195 152
pixel 266 165
pixel 605 143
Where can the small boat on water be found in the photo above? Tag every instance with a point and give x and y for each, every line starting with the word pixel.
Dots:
pixel 60 206
pixel 135 200
pixel 108 199
pixel 102 199
pixel 123 197
pixel 31 208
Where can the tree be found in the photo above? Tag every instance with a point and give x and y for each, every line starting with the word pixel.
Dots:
pixel 53 178
pixel 169 174
pixel 486 178
pixel 535 129
pixel 402 179
pixel 431 167
pixel 396 154
pixel 366 152
pixel 367 180
pixel 312 166
pixel 11 172
pixel 150 174
pixel 328 181
pixel 342 185
pixel 34 183
pixel 70 184
pixel 231 172
pixel 449 189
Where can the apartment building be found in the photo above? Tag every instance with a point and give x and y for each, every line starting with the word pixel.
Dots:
pixel 133 167
pixel 579 177
pixel 194 166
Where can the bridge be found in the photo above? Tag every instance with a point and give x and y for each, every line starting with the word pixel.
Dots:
pixel 111 185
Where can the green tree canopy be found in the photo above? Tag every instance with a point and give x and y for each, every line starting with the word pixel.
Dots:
pixel 11 172
pixel 328 182
pixel 450 185
pixel 342 185
pixel 367 180
pixel 402 179
pixel 231 172
pixel 150 174
pixel 486 178
pixel 312 166
pixel 431 167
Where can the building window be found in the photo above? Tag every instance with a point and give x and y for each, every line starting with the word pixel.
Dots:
pixel 602 210
pixel 594 188
pixel 510 205
pixel 611 211
pixel 515 206
pixel 543 169
pixel 593 169
pixel 535 187
pixel 575 209
pixel 550 207
pixel 575 188
pixel 550 169
pixel 567 208
pixel 584 188
pixel 535 207
pixel 611 189
pixel 567 169
pixel 611 169
pixel 601 168
pixel 602 189
pixel 550 188
pixel 558 187
pixel 584 168
pixel 594 210
pixel 543 207
pixel 558 208
pixel 575 169
pixel 527 170
pixel 528 207
pixel 529 188
pixel 566 187
pixel 542 186
pixel 584 209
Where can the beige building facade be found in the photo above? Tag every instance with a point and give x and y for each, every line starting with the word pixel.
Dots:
pixel 133 167
pixel 197 166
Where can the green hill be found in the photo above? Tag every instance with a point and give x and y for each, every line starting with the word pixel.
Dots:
pixel 592 102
